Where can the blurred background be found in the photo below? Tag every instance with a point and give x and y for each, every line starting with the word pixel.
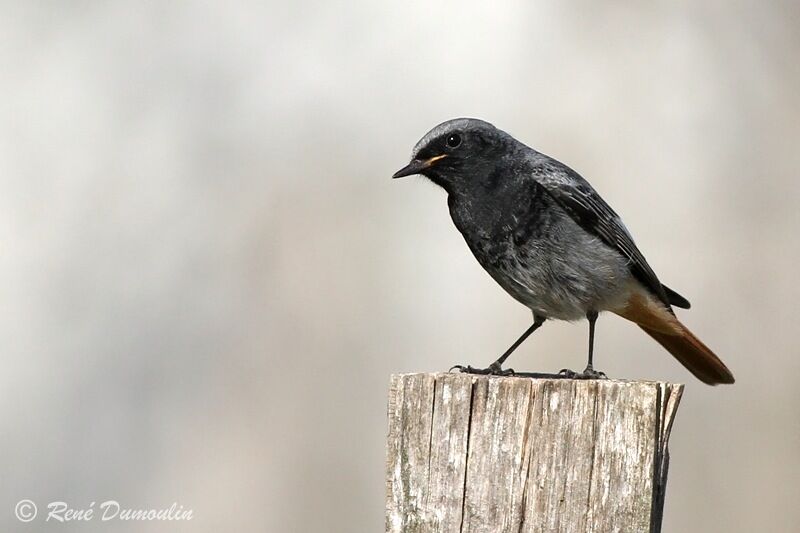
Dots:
pixel 207 275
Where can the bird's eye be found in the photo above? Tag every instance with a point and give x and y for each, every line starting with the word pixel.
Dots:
pixel 454 140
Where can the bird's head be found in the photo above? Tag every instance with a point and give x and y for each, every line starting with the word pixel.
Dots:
pixel 458 153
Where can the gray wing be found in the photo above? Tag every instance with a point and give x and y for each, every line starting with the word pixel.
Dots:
pixel 592 213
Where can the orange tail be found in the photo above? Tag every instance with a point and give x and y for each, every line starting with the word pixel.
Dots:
pixel 665 328
pixel 694 355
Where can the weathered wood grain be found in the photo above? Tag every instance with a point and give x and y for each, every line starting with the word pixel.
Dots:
pixel 505 454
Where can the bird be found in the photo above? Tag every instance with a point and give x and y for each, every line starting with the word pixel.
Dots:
pixel 550 241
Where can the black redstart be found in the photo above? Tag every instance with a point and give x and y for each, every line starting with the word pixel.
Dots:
pixel 544 234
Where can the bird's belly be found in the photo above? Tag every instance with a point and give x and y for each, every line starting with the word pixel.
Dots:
pixel 562 280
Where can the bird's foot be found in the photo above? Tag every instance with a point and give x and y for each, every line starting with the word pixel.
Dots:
pixel 492 370
pixel 591 373
pixel 496 370
pixel 588 373
pixel 567 373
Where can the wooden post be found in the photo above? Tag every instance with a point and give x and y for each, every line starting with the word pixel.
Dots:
pixel 472 453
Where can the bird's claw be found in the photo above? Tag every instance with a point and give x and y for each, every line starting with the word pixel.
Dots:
pixel 588 373
pixel 591 373
pixel 567 373
pixel 492 370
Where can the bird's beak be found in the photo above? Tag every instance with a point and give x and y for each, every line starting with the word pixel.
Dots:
pixel 417 165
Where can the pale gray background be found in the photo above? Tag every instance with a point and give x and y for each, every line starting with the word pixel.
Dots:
pixel 207 275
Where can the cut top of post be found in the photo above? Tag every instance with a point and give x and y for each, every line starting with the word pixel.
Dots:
pixel 485 453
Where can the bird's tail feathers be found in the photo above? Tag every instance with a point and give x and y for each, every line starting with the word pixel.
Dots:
pixel 658 322
pixel 676 299
pixel 694 355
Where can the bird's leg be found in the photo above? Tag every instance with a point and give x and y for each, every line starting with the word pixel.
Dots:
pixel 589 372
pixel 496 368
pixel 591 316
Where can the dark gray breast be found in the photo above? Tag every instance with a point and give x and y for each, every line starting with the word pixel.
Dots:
pixel 501 214
pixel 532 247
